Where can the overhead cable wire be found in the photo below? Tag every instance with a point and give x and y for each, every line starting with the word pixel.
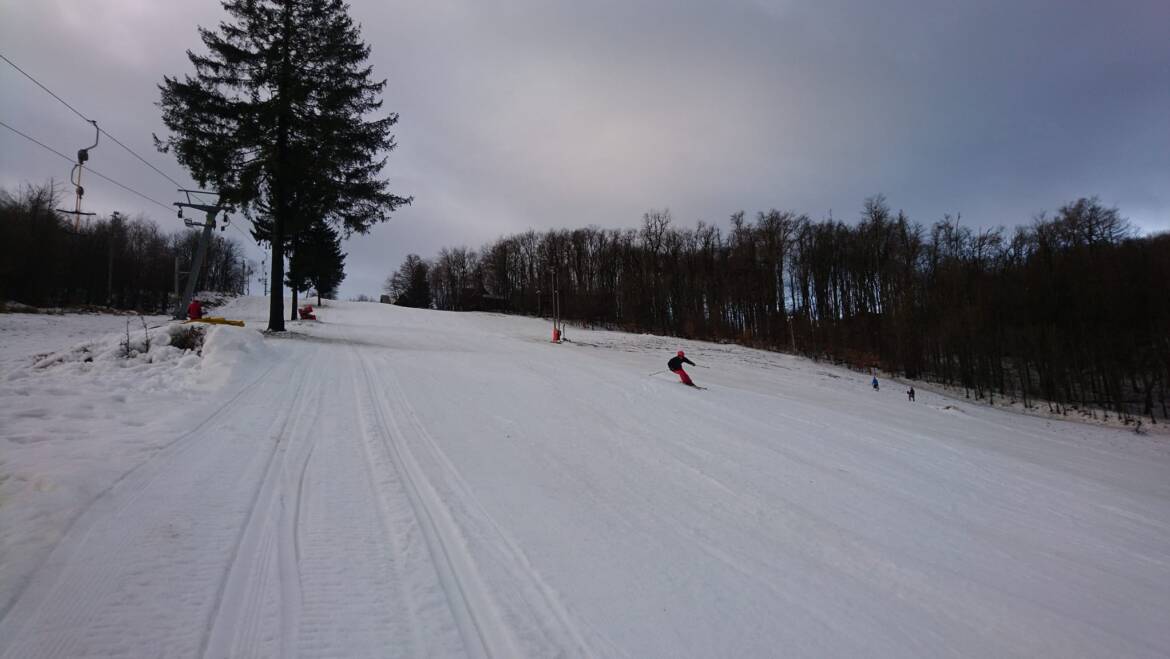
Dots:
pixel 36 141
pixel 242 232
pixel 103 131
pixel 100 175
pixel 89 169
pixel 119 143
pixel 87 119
pixel 50 91
pixel 129 189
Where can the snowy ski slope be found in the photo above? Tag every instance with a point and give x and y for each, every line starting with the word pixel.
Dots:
pixel 398 483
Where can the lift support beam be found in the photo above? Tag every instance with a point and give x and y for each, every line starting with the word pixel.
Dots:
pixel 200 251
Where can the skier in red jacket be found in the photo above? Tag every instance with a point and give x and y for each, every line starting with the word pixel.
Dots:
pixel 194 310
pixel 675 366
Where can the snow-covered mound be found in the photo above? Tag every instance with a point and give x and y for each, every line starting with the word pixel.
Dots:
pixel 136 351
pixel 233 352
pixel 143 358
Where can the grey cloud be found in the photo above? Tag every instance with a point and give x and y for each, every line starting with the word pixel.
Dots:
pixel 545 114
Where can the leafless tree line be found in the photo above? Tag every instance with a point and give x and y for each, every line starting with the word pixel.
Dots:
pixel 127 263
pixel 1073 309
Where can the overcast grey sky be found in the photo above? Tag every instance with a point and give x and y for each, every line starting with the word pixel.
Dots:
pixel 548 113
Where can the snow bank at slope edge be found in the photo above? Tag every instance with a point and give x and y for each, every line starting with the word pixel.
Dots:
pixel 230 352
pixel 173 357
pixel 140 359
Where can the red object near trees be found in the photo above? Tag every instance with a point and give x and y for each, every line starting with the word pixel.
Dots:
pixel 194 310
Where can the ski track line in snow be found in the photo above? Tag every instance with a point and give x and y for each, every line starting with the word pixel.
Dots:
pixel 522 570
pixel 293 535
pixel 70 606
pixel 133 483
pixel 234 628
pixel 398 544
pixel 484 633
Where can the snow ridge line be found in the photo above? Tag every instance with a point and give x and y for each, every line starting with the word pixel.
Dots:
pixel 298 507
pixel 522 572
pixel 289 531
pixel 385 515
pixel 224 629
pixel 289 554
pixel 475 611
pixel 134 482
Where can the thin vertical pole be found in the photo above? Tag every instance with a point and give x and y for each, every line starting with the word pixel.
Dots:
pixel 110 275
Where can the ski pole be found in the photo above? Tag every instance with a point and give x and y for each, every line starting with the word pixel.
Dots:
pixel 656 373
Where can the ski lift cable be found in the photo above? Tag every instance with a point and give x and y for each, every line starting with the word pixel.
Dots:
pixel 100 130
pixel 91 170
pixel 103 176
pixel 241 231
pixel 37 142
pixel 88 120
pixel 38 84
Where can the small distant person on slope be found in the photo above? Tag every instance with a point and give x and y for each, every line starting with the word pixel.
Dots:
pixel 910 394
pixel 675 366
pixel 875 383
pixel 194 310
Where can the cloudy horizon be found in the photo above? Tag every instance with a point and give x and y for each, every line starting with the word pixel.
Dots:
pixel 558 114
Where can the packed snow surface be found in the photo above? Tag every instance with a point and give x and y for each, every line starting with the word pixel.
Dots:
pixel 401 483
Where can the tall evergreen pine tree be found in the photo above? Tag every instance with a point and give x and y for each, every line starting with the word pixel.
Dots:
pixel 317 261
pixel 275 119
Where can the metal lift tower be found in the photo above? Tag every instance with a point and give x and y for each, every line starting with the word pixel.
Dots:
pixel 211 210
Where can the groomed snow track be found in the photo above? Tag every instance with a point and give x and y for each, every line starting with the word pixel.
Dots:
pixel 403 483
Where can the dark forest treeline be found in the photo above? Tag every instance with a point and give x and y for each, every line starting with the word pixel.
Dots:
pixel 116 261
pixel 1073 309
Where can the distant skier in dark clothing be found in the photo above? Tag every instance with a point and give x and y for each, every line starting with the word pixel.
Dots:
pixel 675 366
pixel 875 383
pixel 910 394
